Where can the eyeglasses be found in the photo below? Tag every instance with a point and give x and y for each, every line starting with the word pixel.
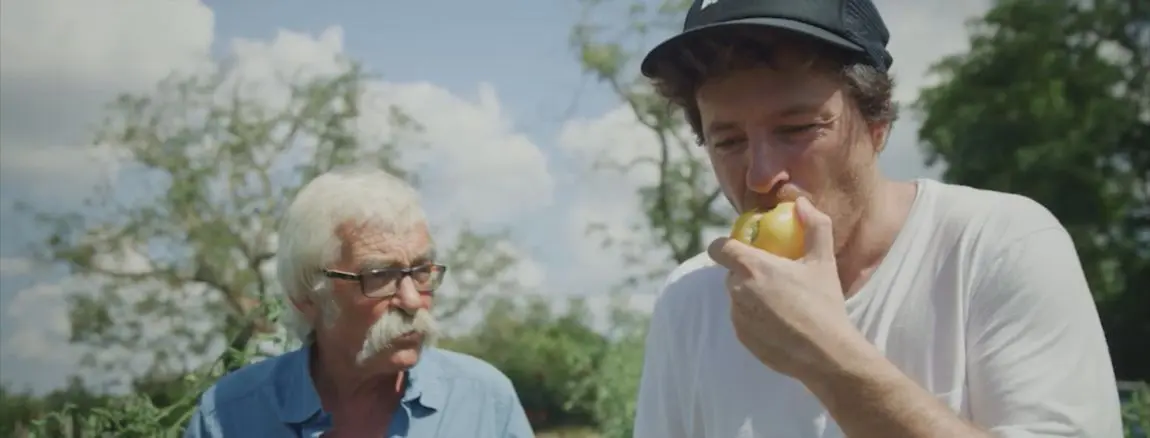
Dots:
pixel 374 283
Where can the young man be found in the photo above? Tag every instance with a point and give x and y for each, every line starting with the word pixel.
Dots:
pixel 920 309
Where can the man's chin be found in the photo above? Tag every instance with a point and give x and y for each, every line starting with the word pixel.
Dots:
pixel 405 358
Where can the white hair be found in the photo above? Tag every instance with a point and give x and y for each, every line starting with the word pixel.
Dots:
pixel 308 240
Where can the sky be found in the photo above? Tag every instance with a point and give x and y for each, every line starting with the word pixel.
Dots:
pixel 512 125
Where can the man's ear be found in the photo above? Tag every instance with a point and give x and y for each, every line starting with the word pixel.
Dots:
pixel 307 308
pixel 879 133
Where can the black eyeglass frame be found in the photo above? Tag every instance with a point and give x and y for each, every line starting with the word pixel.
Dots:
pixel 398 273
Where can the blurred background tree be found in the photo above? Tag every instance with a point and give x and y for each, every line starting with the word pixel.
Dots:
pixel 683 201
pixel 680 204
pixel 541 352
pixel 192 253
pixel 183 262
pixel 1053 102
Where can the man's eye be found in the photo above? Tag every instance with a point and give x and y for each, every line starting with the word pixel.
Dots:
pixel 727 144
pixel 797 129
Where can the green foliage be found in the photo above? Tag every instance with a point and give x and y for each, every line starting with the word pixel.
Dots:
pixel 680 203
pixel 21 409
pixel 130 416
pixel 1053 102
pixel 201 234
pixel 157 406
pixel 190 249
pixel 566 372
pixel 1136 412
pixel 540 352
pixel 180 257
pixel 684 199
pixel 613 385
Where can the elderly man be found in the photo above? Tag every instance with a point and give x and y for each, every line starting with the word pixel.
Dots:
pixel 918 309
pixel 358 267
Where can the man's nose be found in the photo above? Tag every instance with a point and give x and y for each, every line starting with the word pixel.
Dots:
pixel 407 297
pixel 767 168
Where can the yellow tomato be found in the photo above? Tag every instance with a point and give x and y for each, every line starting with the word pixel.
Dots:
pixel 777 231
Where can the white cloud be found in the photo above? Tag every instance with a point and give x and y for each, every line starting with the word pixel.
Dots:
pixel 530 274
pixel 44 307
pixel 471 162
pixel 614 137
pixel 608 200
pixel 13 266
pixel 65 59
pixel 922 33
pixel 601 305
pixel 35 351
pixel 62 61
pixel 116 43
pixel 475 166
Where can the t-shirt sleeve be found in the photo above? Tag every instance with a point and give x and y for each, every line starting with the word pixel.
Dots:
pixel 659 411
pixel 1037 357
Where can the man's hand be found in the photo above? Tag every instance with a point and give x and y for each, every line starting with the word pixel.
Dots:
pixel 792 316
pixel 789 313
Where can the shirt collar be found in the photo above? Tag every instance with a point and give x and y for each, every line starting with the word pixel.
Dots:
pixel 423 383
pixel 297 400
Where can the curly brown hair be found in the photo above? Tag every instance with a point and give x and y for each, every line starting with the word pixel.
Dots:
pixel 677 76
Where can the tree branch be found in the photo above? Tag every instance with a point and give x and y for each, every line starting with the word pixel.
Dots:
pixel 704 207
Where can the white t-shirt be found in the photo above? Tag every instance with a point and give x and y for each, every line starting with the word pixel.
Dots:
pixel 981 300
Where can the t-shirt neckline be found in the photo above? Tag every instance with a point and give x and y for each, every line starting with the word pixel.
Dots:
pixel 924 188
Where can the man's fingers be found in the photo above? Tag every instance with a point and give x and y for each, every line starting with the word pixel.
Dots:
pixel 817 231
pixel 731 253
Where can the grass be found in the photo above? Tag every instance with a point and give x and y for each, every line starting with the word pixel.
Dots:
pixel 567 432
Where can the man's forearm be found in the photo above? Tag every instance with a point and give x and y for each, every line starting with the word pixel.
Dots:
pixel 870 397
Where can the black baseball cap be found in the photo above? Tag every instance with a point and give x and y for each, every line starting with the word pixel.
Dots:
pixel 854 25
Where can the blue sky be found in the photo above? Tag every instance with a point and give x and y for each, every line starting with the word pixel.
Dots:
pixel 495 81
pixel 519 46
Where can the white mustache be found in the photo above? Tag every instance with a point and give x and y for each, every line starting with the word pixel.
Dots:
pixel 394 324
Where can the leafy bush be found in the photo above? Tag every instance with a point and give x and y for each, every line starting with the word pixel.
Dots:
pixel 135 415
pixel 1136 412
pixel 158 407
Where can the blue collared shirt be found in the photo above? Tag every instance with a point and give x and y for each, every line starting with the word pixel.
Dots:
pixel 446 395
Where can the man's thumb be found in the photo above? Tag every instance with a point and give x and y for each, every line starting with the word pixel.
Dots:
pixel 818 234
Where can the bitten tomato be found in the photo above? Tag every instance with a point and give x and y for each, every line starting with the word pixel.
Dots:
pixel 777 231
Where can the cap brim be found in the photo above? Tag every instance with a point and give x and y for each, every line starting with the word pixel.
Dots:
pixel 647 67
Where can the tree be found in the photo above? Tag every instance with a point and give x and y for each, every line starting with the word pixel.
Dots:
pixel 19 410
pixel 679 205
pixel 684 200
pixel 181 245
pixel 612 385
pixel 542 352
pixel 1053 101
pixel 155 408
pixel 566 372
